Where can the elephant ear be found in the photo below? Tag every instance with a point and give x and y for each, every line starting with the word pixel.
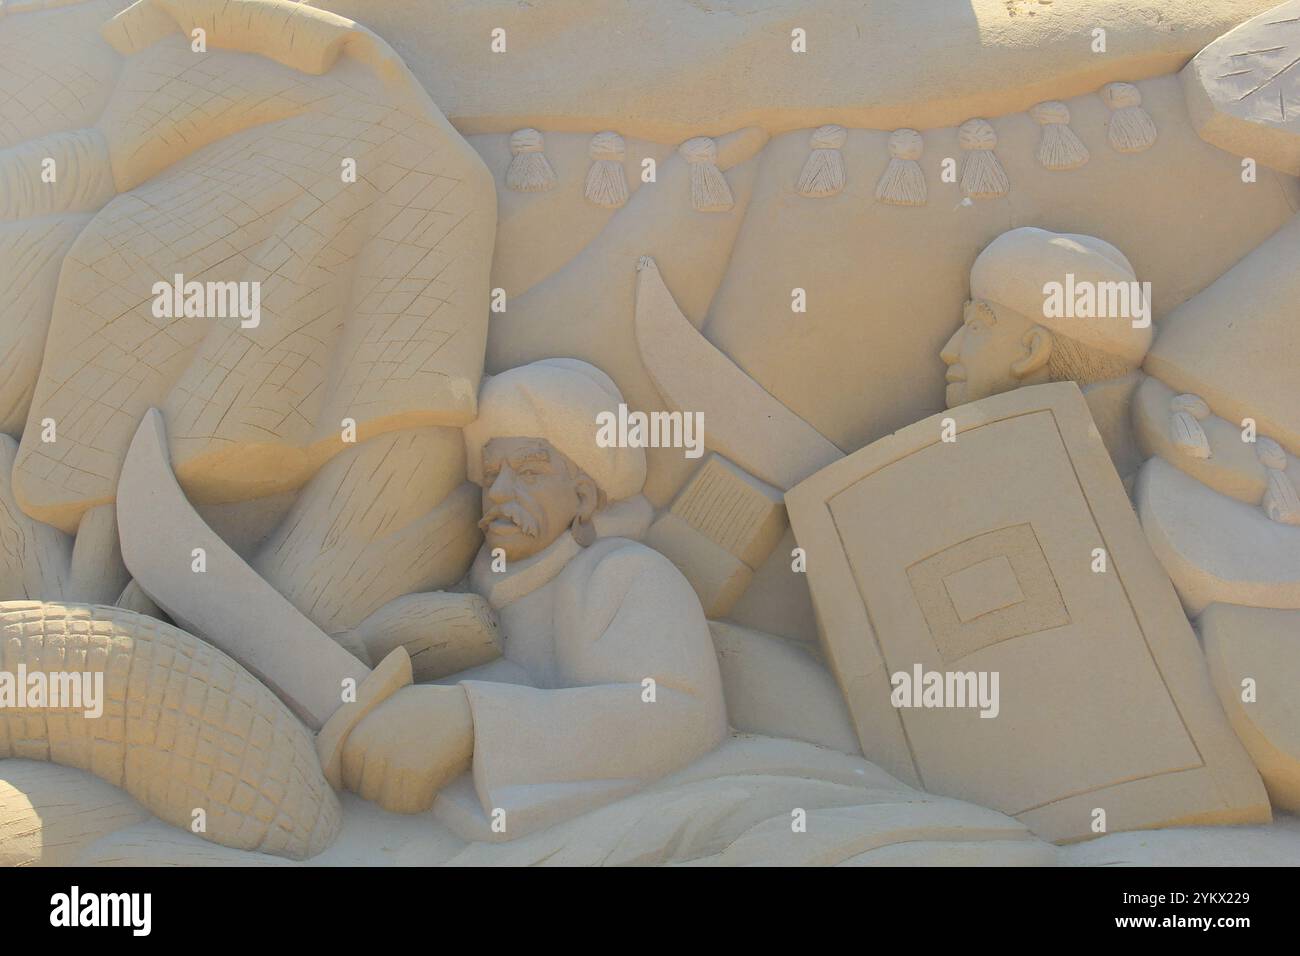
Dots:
pixel 284 155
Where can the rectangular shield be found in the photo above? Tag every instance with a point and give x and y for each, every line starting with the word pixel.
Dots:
pixel 997 539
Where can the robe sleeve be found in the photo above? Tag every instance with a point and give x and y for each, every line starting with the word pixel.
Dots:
pixel 543 755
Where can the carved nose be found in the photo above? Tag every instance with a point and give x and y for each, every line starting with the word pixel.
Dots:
pixel 503 487
pixel 951 352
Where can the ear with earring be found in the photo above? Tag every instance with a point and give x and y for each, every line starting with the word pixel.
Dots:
pixel 584 530
pixel 590 498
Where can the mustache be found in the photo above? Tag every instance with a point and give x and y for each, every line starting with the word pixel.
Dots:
pixel 513 512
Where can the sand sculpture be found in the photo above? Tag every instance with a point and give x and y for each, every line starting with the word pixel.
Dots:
pixel 531 444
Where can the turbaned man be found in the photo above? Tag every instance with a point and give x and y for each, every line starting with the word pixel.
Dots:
pixel 609 678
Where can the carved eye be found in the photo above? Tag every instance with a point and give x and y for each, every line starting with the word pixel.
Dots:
pixel 981 317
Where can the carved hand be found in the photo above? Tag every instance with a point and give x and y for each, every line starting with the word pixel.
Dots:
pixel 409 747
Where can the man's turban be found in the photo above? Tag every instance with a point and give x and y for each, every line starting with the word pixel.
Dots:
pixel 1013 269
pixel 556 399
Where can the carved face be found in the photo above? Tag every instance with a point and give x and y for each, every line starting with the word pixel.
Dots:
pixel 531 494
pixel 993 351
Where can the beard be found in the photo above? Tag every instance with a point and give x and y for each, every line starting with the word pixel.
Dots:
pixel 516 514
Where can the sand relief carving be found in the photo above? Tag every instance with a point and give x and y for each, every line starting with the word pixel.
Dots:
pixel 606 180
pixel 982 176
pixel 1060 147
pixel 993 586
pixel 823 174
pixel 1216 493
pixel 363 330
pixel 1131 129
pixel 903 182
pixel 709 189
pixel 1099 352
pixel 386 572
pixel 529 171
pixel 1046 308
pixel 605 645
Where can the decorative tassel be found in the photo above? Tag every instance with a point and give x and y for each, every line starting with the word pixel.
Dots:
pixel 902 183
pixel 983 176
pixel 529 171
pixel 823 173
pixel 606 181
pixel 1131 127
pixel 1186 412
pixel 709 189
pixel 1060 148
pixel 1281 503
